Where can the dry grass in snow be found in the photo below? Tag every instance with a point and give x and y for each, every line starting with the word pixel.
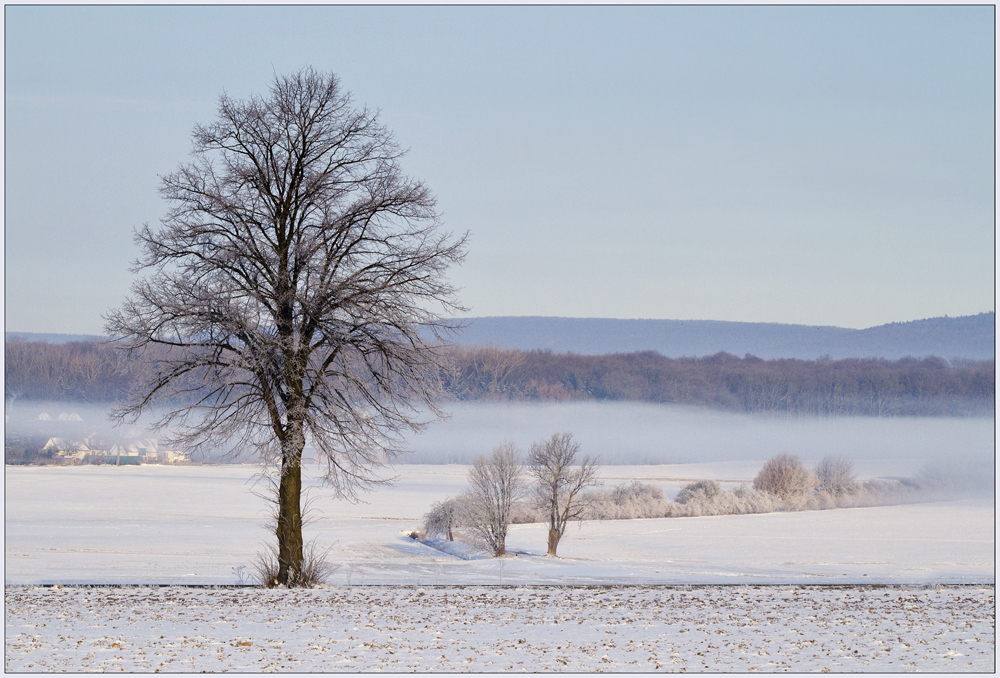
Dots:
pixel 492 629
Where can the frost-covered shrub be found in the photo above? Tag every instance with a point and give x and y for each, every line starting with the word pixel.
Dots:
pixel 628 501
pixel 703 491
pixel 703 498
pixel 784 475
pixel 882 492
pixel 822 500
pixel 874 492
pixel 640 500
pixel 707 498
pixel 749 500
pixel 636 491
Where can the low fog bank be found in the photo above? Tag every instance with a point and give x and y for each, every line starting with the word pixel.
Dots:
pixel 64 419
pixel 640 433
pixel 74 421
pixel 960 450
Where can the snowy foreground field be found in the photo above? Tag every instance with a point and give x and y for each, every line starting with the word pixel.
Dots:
pixel 491 629
pixel 872 589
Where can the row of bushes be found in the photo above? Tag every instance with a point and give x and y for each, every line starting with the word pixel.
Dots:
pixel 704 498
pixel 707 498
pixel 783 484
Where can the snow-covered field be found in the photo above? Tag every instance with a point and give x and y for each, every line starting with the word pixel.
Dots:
pixel 195 525
pixel 713 593
pixel 492 629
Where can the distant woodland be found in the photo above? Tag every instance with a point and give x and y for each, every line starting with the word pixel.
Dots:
pixel 95 373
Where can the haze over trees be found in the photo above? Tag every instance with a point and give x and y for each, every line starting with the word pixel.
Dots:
pixel 295 294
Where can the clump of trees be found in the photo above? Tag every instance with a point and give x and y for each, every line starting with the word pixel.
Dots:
pixel 499 494
pixel 707 498
pixel 565 488
pixel 76 371
pixel 22 450
pixel 833 484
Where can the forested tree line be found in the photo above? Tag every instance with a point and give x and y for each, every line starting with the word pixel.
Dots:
pixel 76 371
pixel 908 386
pixel 94 372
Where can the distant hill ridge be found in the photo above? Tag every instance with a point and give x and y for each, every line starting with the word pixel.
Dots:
pixel 969 337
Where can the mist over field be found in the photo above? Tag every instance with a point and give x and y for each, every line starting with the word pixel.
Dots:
pixel 636 433
pixel 22 419
pixel 642 433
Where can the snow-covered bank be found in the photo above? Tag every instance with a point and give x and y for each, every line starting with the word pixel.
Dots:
pixel 162 524
pixel 489 629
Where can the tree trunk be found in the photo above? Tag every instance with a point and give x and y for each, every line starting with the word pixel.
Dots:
pixel 289 529
pixel 554 537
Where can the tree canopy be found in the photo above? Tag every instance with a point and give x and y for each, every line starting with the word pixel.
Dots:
pixel 296 289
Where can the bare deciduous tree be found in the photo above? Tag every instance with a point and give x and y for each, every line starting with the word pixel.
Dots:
pixel 836 475
pixel 496 481
pixel 493 365
pixel 294 283
pixel 445 516
pixel 560 482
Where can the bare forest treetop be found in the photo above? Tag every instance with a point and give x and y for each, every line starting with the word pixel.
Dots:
pixel 298 284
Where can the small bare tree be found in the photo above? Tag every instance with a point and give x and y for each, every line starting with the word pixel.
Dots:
pixel 836 475
pixel 496 481
pixel 296 292
pixel 560 480
pixel 446 515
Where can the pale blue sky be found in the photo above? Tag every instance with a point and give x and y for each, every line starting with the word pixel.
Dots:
pixel 820 165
